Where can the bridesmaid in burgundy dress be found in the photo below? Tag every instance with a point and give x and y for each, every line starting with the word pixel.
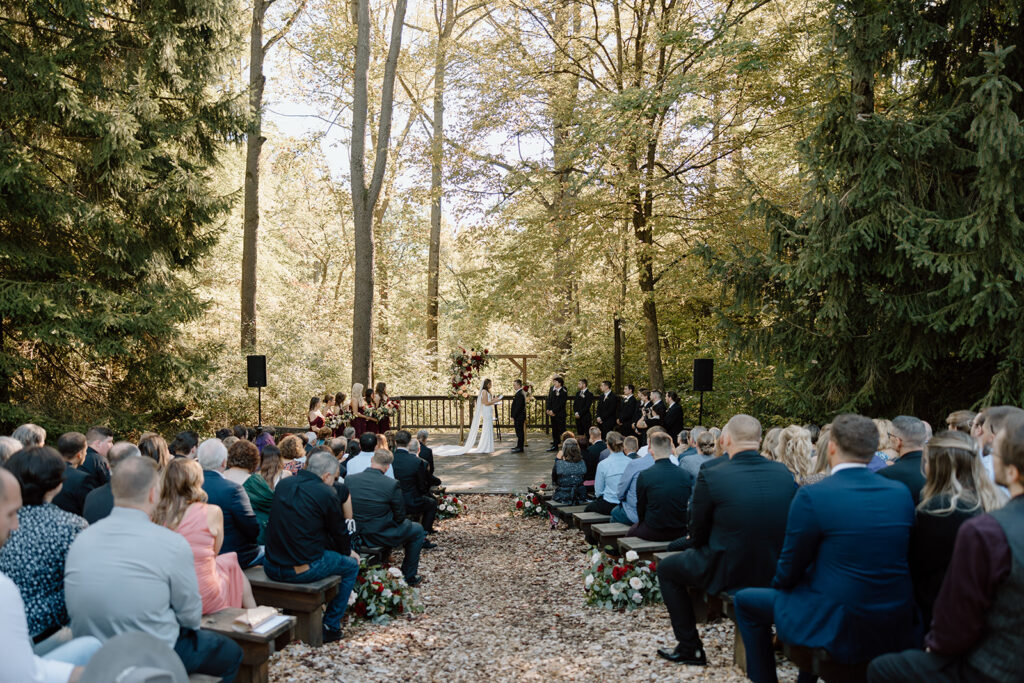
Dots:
pixel 340 406
pixel 356 408
pixel 371 422
pixel 380 399
pixel 316 418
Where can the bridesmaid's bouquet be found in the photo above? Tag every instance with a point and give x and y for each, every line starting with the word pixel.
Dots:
pixel 340 420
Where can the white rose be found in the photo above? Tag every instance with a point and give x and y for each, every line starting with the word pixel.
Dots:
pixel 395 572
pixel 632 556
pixel 386 593
pixel 351 598
pixel 595 558
pixel 614 589
pixel 637 598
pixel 589 581
pixel 636 583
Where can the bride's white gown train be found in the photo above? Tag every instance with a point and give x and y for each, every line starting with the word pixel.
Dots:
pixel 482 425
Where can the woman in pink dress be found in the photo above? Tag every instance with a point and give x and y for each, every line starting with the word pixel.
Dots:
pixel 183 508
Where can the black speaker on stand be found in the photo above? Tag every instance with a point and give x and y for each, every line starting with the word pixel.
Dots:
pixel 703 380
pixel 256 375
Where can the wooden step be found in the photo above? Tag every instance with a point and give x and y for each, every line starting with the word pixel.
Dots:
pixel 606 534
pixel 585 520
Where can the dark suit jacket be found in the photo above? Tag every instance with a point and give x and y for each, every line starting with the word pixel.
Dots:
pixel 378 508
pixel 593 456
pixel 72 494
pixel 241 527
pixel 662 492
pixel 556 402
pixel 673 421
pixel 907 470
pixel 96 467
pixel 427 455
pixel 658 411
pixel 413 478
pixel 843 578
pixel 581 404
pixel 628 408
pixel 738 522
pixel 518 409
pixel 98 504
pixel 608 410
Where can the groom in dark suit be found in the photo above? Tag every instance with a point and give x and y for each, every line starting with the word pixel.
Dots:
pixel 518 413
pixel 557 398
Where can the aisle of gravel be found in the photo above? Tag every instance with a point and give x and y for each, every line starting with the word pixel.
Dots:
pixel 504 602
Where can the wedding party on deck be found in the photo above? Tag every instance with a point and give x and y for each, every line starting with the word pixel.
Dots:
pixel 516 341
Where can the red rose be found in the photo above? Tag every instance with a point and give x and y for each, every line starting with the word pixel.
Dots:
pixel 519 505
pixel 536 500
pixel 543 486
pixel 361 579
pixel 360 608
pixel 600 568
pixel 379 587
pixel 455 500
pixel 486 351
pixel 618 573
pixel 651 566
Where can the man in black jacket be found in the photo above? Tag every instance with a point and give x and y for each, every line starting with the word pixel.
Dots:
pixel 581 407
pixel 673 420
pixel 662 492
pixel 76 487
pixel 100 501
pixel 737 526
pixel 99 440
pixel 307 539
pixel 910 434
pixel 557 398
pixel 518 413
pixel 628 408
pixel 607 409
pixel 413 478
pixel 379 511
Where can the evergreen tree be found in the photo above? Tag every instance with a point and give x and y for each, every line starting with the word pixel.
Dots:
pixel 112 114
pixel 899 286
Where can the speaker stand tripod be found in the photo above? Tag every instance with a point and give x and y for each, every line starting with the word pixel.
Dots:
pixel 259 404
pixel 700 411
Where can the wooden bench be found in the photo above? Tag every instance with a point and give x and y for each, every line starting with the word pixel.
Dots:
pixel 376 555
pixel 203 678
pixel 542 494
pixel 256 647
pixel 821 664
pixel 305 601
pixel 607 534
pixel 584 520
pixel 644 548
pixel 564 511
pixel 739 650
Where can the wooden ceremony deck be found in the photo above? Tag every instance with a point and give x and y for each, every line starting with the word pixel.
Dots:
pixel 499 472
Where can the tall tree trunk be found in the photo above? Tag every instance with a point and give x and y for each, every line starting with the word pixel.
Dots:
pixel 365 195
pixel 617 322
pixel 251 203
pixel 436 177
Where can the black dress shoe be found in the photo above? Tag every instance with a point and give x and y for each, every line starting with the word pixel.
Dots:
pixel 332 635
pixel 427 545
pixel 679 656
pixel 553 449
pixel 516 450
pixel 414 581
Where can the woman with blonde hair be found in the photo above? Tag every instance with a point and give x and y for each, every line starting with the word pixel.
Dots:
pixel 183 508
pixel 886 452
pixel 154 446
pixel 770 443
pixel 796 451
pixel 821 468
pixel 957 487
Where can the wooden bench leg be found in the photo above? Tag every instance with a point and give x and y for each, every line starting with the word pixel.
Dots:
pixel 309 627
pixel 739 650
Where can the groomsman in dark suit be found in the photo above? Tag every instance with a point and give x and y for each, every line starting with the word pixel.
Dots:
pixel 673 420
pixel 557 399
pixel 628 408
pixel 519 415
pixel 657 412
pixel 581 407
pixel 607 409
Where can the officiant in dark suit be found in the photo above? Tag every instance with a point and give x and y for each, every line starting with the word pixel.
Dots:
pixel 518 413
pixel 607 409
pixel 556 401
pixel 628 409
pixel 581 407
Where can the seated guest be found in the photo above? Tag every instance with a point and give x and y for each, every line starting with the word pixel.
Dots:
pixel 662 492
pixel 961 421
pixel 260 487
pixel 99 440
pixel 379 511
pixel 100 501
pixel 223 433
pixel 185 444
pixel 34 556
pixel 704 451
pixel 986 425
pixel 183 508
pixel 691 442
pixel 126 573
pixel 683 445
pixel 71 498
pixel 19 663
pixel 609 472
pixel 568 473
pixel 360 462
pixel 243 460
pixel 821 468
pixel 828 592
pixel 956 489
pixel 592 456
pixel 796 451
pixel 154 446
pixel 625 511
pixel 264 438
pixel 8 447
pixel 307 538
pixel 30 436
pixel 411 473
pixel 293 453
pixel 426 452
pixel 415 449
pixel 241 528
pixel 337 446
pixel 909 436
pixel 977 628
pixel 737 525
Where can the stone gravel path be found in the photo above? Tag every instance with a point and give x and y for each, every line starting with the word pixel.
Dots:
pixel 504 602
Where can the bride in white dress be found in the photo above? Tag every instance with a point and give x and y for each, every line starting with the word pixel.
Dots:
pixel 482 425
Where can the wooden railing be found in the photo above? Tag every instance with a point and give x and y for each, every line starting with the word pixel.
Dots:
pixel 444 412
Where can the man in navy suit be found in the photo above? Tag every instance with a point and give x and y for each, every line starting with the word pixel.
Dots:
pixel 241 528
pixel 842 582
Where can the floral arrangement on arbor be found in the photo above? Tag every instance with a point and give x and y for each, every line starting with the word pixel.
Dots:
pixel 462 368
pixel 340 420
pixel 620 583
pixel 450 506
pixel 529 505
pixel 381 594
